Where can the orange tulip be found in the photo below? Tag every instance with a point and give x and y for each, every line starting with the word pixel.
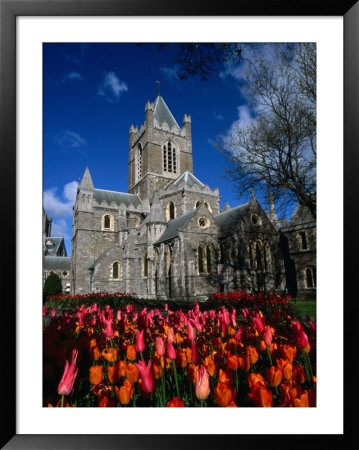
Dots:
pixel 131 353
pixel 157 366
pixel 211 366
pixel 286 367
pixel 289 352
pixel 110 354
pixel 252 354
pixel 95 353
pixel 243 363
pixel 223 394
pixel 124 393
pixel 254 378
pixel 121 369
pixel 261 396
pixel 225 376
pixel 106 402
pixel 181 357
pixel 175 403
pixel 232 362
pixel 274 376
pixel 132 373
pixel 298 374
pixel 96 374
pixel 112 375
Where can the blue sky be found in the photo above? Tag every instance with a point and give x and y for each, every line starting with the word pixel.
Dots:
pixel 94 92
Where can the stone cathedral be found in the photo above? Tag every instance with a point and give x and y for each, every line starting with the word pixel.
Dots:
pixel 166 237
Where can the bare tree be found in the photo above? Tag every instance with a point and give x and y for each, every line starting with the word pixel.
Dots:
pixel 276 151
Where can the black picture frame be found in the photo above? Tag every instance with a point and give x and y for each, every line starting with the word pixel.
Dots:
pixel 9 10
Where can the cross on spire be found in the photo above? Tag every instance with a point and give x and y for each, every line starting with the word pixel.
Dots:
pixel 159 88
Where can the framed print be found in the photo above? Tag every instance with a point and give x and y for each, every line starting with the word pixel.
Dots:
pixel 60 66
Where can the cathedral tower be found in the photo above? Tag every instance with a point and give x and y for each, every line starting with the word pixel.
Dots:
pixel 159 151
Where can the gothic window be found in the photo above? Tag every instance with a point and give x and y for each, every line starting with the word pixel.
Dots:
pixel 169 158
pixel 171 211
pixel 259 265
pixel 198 202
pixel 303 240
pixel 107 222
pixel 309 273
pixel 201 253
pixel 256 256
pixel 145 265
pixel 116 270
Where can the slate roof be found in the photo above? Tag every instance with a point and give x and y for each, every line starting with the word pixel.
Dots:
pixel 57 243
pixel 163 114
pixel 174 225
pixel 101 195
pixel 188 178
pixel 57 263
pixel 227 220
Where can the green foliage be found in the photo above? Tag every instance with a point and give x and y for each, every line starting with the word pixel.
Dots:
pixel 52 285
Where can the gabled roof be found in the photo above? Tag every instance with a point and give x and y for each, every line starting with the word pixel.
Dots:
pixel 188 178
pixel 54 248
pixel 163 114
pixel 227 220
pixel 174 225
pixel 101 195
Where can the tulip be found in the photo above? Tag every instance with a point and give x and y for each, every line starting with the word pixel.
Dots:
pixel 239 334
pixel 268 336
pixel 140 340
pixel 171 354
pixel 96 374
pixel 148 382
pixel 258 323
pixel 160 346
pixel 302 339
pixel 108 331
pixel 202 388
pixel 289 352
pixel 170 335
pixel 223 394
pixel 121 369
pixel 274 376
pixel 195 355
pixel 131 353
pixel 254 378
pixel 191 335
pixel 69 376
pixel 261 396
pixel 124 393
pixel 211 366
pixel 175 403
pixel 286 367
pixel 132 373
pixel 110 354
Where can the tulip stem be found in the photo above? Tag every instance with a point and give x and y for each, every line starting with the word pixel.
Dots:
pixel 308 369
pixel 175 374
pixel 202 403
pixel 269 356
pixel 163 389
pixel 62 400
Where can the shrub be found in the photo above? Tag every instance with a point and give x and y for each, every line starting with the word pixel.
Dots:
pixel 52 285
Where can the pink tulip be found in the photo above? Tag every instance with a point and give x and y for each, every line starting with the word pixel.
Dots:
pixel 160 346
pixel 196 307
pixel 245 312
pixel 148 382
pixel 202 388
pixel 302 339
pixel 258 323
pixel 170 351
pixel 268 336
pixel 118 315
pixel 191 335
pixel 238 335
pixel 53 313
pixel 109 333
pixel 233 318
pixel 170 334
pixel 93 320
pixel 212 314
pixel 140 340
pixel 69 376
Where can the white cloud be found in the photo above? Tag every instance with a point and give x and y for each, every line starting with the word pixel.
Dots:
pixel 71 77
pixel 69 139
pixel 171 72
pixel 59 228
pixel 57 206
pixel 111 87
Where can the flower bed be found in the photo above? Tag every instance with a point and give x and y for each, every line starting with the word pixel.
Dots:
pixel 257 354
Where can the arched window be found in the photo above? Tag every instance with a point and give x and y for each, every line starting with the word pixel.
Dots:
pixel 171 211
pixel 259 266
pixel 169 158
pixel 107 222
pixel 201 258
pixel 144 265
pixel 116 270
pixel 303 240
pixel 309 273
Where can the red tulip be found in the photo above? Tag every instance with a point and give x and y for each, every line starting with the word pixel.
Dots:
pixel 191 335
pixel 160 346
pixel 258 323
pixel 140 340
pixel 69 376
pixel 268 336
pixel 148 382
pixel 170 351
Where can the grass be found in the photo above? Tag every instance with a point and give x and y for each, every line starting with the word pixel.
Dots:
pixel 306 307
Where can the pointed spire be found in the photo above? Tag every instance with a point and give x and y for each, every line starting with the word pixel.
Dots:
pixel 226 207
pixel 272 214
pixel 86 182
pixel 163 114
